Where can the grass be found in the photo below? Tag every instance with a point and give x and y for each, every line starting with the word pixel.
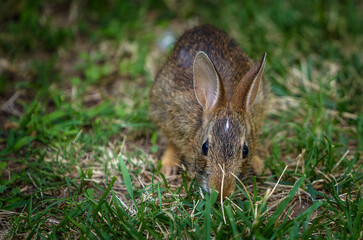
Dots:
pixel 79 154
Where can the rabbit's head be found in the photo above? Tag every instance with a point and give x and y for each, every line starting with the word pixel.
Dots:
pixel 226 143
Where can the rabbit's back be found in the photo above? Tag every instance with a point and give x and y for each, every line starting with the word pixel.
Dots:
pixel 229 60
pixel 173 105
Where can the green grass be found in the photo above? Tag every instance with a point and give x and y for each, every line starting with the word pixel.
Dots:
pixel 78 154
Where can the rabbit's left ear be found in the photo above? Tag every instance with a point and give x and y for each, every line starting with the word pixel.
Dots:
pixel 247 89
pixel 207 86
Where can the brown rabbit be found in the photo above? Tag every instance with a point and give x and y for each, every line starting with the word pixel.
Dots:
pixel 209 100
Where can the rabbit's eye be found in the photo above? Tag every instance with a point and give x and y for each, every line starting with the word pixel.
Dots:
pixel 245 150
pixel 205 148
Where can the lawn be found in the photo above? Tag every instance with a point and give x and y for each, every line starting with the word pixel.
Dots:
pixel 79 155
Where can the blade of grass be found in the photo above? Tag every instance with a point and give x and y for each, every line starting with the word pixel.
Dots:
pixel 307 213
pixel 280 209
pixel 232 221
pixel 207 218
pixel 126 178
pixel 159 196
pixel 22 142
pixel 209 202
pixel 100 203
pixel 301 217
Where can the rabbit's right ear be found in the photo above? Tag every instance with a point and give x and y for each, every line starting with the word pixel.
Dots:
pixel 206 81
pixel 246 91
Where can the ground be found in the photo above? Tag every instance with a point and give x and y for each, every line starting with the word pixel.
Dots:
pixel 79 156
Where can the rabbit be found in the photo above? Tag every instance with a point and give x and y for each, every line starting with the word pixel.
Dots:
pixel 209 100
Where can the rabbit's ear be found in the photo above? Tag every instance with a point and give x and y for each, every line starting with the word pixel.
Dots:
pixel 247 89
pixel 206 81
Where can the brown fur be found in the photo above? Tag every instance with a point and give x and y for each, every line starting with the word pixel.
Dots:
pixel 187 119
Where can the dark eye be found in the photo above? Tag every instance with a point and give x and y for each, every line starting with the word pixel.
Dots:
pixel 205 148
pixel 245 150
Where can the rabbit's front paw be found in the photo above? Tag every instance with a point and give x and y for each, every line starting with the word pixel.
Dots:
pixel 169 162
pixel 257 165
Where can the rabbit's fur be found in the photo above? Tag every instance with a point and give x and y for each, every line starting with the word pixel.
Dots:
pixel 208 89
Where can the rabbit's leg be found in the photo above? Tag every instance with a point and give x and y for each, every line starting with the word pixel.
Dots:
pixel 169 161
pixel 257 165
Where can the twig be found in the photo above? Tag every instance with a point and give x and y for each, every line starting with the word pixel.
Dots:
pixel 35 185
pixel 195 206
pixel 277 183
pixel 234 204
pixel 133 212
pixel 299 158
pixel 341 159
pixel 9 106
pixel 221 193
